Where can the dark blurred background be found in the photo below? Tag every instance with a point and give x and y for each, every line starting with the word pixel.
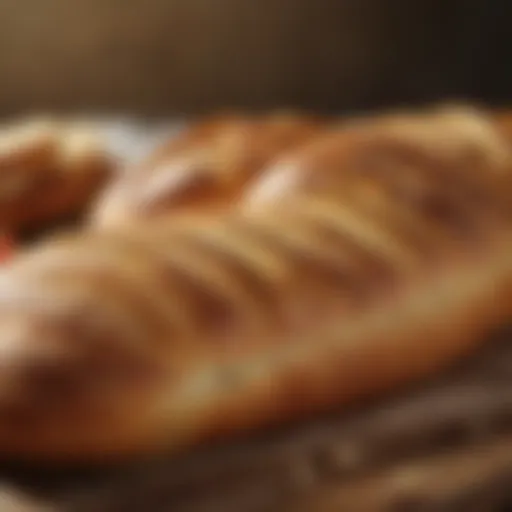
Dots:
pixel 170 57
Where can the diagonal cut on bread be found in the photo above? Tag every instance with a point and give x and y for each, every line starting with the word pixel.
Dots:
pixel 203 168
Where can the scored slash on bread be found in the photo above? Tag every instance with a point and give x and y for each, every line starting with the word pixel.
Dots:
pixel 125 341
pixel 49 171
pixel 452 142
pixel 204 168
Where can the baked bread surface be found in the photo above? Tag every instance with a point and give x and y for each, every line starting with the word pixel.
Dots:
pixel 154 337
pixel 50 170
pixel 205 168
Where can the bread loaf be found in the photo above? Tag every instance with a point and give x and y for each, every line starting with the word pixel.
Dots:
pixel 454 142
pixel 204 168
pixel 129 341
pixel 49 170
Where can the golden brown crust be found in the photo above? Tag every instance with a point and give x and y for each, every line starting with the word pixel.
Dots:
pixel 126 341
pixel 455 142
pixel 502 119
pixel 49 170
pixel 204 168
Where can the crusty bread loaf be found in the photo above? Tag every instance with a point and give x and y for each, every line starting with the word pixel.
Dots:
pixel 205 167
pixel 49 170
pixel 126 341
pixel 454 142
